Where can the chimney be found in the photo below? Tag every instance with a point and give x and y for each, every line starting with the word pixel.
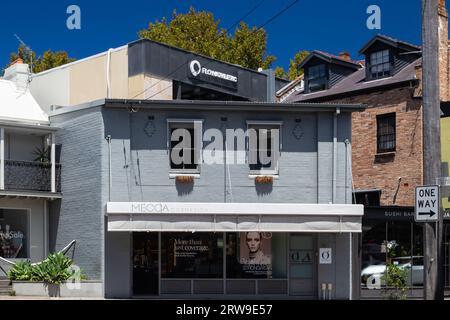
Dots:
pixel 18 73
pixel 345 56
pixel 444 76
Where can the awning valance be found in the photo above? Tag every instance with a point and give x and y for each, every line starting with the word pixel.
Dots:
pixel 233 217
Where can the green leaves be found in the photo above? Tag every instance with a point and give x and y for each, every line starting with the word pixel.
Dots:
pixel 48 60
pixel 54 270
pixel 395 278
pixel 22 271
pixel 199 32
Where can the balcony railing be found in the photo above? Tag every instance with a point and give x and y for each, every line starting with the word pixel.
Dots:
pixel 31 176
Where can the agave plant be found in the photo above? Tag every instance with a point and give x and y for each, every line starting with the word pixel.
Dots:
pixel 53 270
pixel 21 271
pixel 42 155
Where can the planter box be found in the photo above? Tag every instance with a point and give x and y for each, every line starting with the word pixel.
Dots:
pixel 83 289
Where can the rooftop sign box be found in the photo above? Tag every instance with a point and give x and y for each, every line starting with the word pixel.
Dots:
pixel 204 73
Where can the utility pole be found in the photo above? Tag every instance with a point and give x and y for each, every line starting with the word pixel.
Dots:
pixel 431 143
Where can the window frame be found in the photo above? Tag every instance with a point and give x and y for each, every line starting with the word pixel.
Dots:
pixel 198 135
pixel 261 124
pixel 325 77
pixel 386 116
pixel 369 64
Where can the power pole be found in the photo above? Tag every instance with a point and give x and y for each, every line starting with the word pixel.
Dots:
pixel 431 142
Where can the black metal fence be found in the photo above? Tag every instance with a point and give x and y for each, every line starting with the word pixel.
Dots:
pixel 31 176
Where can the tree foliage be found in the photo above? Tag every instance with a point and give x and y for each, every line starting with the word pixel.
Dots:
pixel 294 71
pixel 50 59
pixel 199 32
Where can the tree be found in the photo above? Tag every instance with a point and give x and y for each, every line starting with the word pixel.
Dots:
pixel 294 71
pixel 199 32
pixel 280 73
pixel 48 60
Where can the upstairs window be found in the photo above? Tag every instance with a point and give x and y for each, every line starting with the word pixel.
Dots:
pixel 379 64
pixel 386 133
pixel 264 147
pixel 317 78
pixel 184 145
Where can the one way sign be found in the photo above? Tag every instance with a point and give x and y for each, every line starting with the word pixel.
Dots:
pixel 427 203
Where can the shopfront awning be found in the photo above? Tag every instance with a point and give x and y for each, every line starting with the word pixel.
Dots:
pixel 233 217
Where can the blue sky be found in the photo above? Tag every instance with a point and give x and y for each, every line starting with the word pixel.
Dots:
pixel 327 25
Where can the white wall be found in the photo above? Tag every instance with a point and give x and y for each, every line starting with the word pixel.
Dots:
pixel 51 88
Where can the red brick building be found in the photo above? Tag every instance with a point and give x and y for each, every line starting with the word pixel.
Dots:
pixel 387 138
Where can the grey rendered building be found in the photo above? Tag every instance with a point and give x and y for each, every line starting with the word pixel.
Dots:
pixel 147 225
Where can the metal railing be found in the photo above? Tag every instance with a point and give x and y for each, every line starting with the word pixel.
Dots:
pixel 30 176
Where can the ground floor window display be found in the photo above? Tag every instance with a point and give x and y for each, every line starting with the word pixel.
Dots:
pixel 218 263
pixel 14 225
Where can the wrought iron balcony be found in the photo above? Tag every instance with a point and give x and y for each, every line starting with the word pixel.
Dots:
pixel 30 176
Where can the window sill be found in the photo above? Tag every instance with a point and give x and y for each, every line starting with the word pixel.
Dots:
pixel 381 154
pixel 275 176
pixel 187 174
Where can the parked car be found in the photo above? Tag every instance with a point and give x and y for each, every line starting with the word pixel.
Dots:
pixel 413 266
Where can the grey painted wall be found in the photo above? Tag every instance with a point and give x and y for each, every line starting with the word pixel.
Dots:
pixel 140 172
pixel 81 210
pixel 140 163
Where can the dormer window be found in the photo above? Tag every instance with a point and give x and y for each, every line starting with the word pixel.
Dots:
pixel 317 78
pixel 379 64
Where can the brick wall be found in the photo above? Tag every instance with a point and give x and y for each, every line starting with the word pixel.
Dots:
pixel 443 53
pixel 372 171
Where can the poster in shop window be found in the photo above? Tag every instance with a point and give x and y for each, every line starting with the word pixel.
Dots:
pixel 255 253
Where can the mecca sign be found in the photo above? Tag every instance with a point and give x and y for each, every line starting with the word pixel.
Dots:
pixel 427 203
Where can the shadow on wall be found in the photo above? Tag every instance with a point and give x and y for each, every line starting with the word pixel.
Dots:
pixel 54 215
pixel 184 188
pixel 263 189
pixel 384 158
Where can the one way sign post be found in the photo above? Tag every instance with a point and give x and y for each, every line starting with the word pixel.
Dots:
pixel 427 203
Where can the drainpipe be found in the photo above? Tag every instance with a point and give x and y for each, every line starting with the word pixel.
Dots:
pixel 335 131
pixel 52 161
pixel 108 75
pixel 350 288
pixel 108 139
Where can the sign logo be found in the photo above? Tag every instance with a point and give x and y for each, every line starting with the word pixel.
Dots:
pixel 325 255
pixel 195 68
pixel 427 203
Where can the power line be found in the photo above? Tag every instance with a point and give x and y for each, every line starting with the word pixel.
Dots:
pixel 215 39
pixel 256 30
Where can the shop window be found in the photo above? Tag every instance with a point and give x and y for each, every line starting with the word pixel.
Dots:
pixel 373 259
pixel 14 233
pixel 256 255
pixel 386 133
pixel 191 255
pixel 185 145
pixel 264 145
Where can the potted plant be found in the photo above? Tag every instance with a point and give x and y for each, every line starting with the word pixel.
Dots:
pixel 264 180
pixel 51 273
pixel 185 179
